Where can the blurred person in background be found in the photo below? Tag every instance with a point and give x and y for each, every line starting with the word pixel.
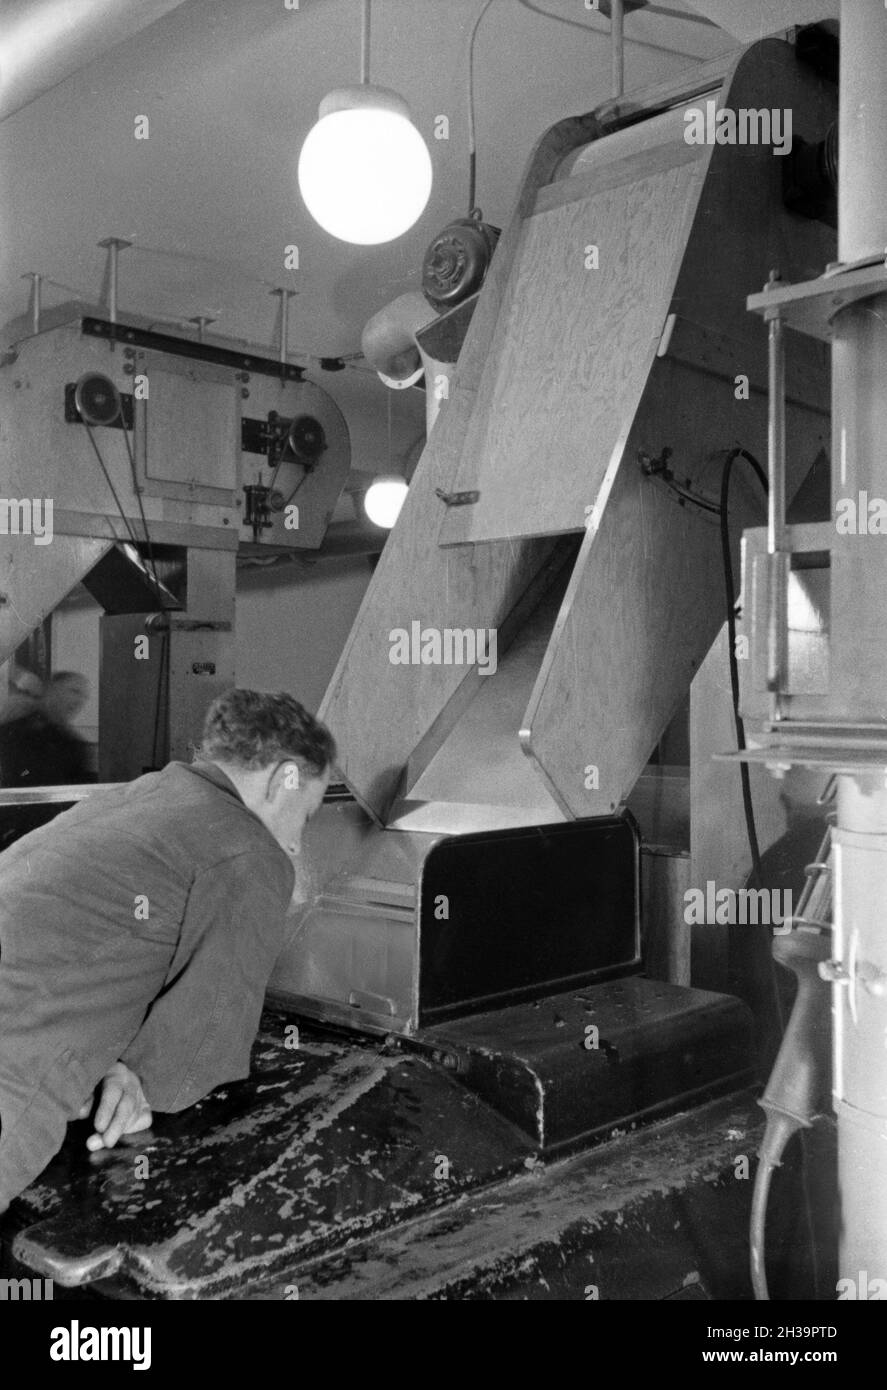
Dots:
pixel 39 746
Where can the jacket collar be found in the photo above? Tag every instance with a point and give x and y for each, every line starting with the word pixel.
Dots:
pixel 211 772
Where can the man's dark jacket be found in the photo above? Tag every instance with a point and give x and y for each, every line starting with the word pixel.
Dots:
pixel 140 926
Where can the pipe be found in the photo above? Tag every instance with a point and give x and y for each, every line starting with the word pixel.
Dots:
pixel 859 1009
pixel 862 132
pixel 798 1089
pixel 44 42
pixel 389 345
pixel 859 664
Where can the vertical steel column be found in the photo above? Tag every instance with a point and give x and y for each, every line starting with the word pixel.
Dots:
pixel 859 661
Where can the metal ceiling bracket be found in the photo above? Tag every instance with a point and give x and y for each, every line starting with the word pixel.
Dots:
pixel 457 499
pixel 188 347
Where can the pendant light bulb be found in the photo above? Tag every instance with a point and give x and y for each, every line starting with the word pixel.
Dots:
pixel 364 170
pixel 384 499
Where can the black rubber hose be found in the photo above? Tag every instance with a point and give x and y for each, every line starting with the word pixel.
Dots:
pixel 730 594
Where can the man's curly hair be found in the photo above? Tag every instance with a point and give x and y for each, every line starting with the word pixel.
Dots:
pixel 253 729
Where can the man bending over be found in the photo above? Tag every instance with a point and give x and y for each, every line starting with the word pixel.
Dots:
pixel 139 929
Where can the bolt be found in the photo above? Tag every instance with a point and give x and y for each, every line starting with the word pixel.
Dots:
pixel 833 971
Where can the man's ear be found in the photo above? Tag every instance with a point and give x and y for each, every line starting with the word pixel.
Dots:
pixel 285 777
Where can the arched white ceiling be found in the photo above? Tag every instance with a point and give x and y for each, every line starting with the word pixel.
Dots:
pixel 230 88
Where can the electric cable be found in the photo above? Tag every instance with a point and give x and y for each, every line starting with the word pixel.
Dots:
pixel 280 459
pixel 472 139
pixel 779 1130
pixel 687 495
pixel 162 676
pixel 365 43
pixel 281 450
pixel 123 517
pixel 730 593
pixel 590 29
pixel 138 493
pixel 135 545
pixel 745 777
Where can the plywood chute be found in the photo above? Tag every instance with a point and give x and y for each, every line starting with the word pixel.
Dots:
pixel 611 328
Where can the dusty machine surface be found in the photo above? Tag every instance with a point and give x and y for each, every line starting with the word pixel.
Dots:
pixel 472 1076
pixel 344 1169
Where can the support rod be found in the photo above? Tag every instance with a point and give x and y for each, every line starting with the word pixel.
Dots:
pixel 365 42
pixel 776 626
pixel 113 245
pixel 283 341
pixel 36 298
pixel 617 35
pixel 201 322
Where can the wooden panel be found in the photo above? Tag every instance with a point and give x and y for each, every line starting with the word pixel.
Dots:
pixel 162 532
pixel 647 598
pixel 642 608
pixel 380 712
pixel 187 433
pixel 647 595
pixel 34 578
pixel 481 761
pixel 44 453
pixel 571 354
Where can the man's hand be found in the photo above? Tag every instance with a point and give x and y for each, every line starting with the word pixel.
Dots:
pixel 122 1109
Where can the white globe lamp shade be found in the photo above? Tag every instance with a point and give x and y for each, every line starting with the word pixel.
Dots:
pixel 383 501
pixel 364 170
pixel 395 383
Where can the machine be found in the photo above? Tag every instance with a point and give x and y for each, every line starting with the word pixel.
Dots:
pixel 499 1060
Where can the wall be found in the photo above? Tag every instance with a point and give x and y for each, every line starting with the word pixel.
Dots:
pixel 75 647
pixel 292 624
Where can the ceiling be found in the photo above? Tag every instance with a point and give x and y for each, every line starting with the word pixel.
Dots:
pixel 230 89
